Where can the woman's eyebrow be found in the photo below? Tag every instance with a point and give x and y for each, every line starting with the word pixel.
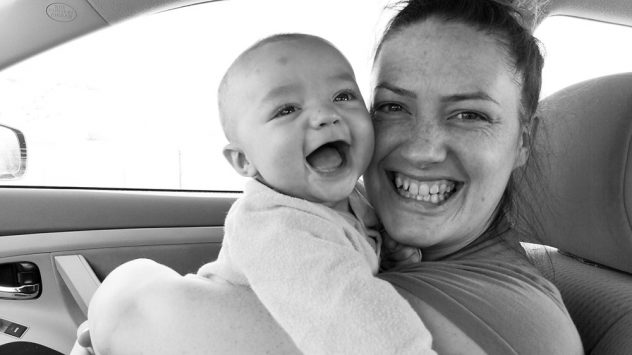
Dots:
pixel 398 91
pixel 477 95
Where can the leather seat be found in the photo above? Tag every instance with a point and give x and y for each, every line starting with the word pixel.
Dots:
pixel 587 227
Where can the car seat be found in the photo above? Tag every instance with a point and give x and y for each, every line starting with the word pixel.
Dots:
pixel 587 229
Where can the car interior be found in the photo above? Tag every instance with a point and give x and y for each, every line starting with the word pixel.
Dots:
pixel 588 132
pixel 58 243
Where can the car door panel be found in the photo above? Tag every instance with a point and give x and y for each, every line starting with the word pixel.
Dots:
pixel 107 228
pixel 35 210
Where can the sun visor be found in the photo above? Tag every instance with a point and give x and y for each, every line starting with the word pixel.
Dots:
pixel 117 10
pixel 585 135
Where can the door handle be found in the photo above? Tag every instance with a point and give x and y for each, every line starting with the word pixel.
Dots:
pixel 20 281
pixel 24 292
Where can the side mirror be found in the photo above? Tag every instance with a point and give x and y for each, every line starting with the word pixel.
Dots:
pixel 12 153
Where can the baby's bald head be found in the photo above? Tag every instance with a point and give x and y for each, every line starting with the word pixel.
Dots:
pixel 295 119
pixel 239 72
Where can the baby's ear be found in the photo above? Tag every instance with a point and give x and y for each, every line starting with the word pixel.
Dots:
pixel 238 159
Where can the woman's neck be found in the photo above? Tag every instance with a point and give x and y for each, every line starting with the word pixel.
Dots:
pixel 494 226
pixel 440 252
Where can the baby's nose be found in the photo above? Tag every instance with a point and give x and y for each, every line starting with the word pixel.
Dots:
pixel 325 116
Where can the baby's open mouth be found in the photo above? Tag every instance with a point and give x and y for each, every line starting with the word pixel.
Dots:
pixel 328 157
pixel 434 192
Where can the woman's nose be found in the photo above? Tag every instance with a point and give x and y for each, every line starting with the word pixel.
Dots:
pixel 324 116
pixel 426 144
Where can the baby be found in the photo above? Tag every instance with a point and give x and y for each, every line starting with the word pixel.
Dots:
pixel 298 126
pixel 297 239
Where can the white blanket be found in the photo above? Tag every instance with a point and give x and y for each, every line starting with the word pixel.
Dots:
pixel 314 273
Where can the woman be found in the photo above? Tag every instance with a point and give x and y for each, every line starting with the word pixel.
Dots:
pixel 456 84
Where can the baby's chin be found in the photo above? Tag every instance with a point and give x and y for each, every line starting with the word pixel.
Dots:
pixel 332 196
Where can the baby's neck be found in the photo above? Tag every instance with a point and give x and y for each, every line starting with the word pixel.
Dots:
pixel 341 206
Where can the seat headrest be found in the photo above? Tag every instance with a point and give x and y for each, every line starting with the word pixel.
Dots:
pixel 587 170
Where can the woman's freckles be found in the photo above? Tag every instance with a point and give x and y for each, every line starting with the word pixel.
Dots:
pixel 435 124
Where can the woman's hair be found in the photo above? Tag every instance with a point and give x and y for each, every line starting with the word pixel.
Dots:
pixel 504 21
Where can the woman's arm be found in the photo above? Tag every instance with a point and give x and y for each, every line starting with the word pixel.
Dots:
pixel 118 315
pixel 171 314
pixel 146 308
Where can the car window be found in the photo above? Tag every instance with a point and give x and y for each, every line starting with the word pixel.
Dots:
pixel 133 106
pixel 578 49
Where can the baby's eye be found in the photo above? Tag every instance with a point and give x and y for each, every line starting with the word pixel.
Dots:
pixel 344 96
pixel 470 116
pixel 285 110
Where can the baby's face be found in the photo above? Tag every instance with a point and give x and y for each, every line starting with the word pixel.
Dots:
pixel 300 119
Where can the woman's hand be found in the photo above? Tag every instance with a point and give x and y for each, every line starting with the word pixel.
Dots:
pixel 395 254
pixel 83 345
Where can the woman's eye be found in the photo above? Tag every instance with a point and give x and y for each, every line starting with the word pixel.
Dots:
pixel 389 108
pixel 344 96
pixel 285 110
pixel 470 116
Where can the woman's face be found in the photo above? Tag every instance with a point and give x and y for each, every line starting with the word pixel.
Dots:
pixel 447 134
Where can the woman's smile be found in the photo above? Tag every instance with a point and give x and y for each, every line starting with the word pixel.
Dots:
pixel 433 191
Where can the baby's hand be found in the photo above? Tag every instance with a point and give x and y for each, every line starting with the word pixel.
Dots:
pixel 395 254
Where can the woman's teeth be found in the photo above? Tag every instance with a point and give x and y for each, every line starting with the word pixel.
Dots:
pixel 427 191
